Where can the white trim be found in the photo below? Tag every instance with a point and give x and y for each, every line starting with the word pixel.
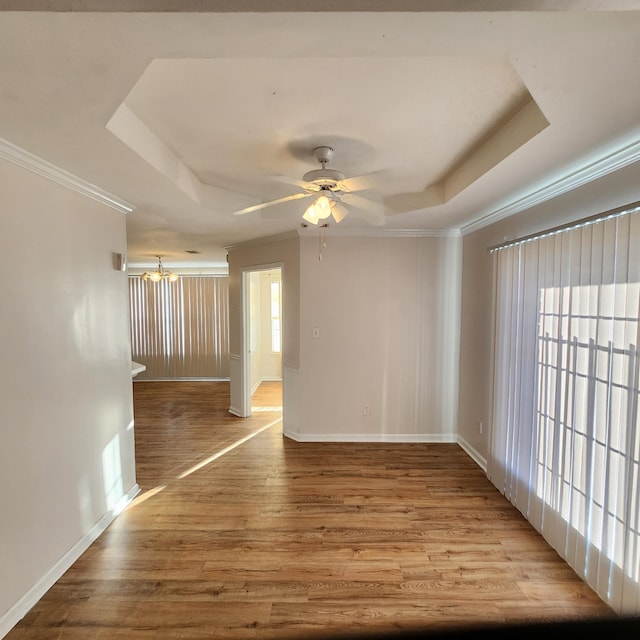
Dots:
pixel 137 368
pixel 473 453
pixel 254 388
pixel 16 155
pixel 373 437
pixel 338 231
pixel 31 597
pixel 184 379
pixel 245 344
pixel 235 398
pixel 182 265
pixel 609 163
pixel 260 6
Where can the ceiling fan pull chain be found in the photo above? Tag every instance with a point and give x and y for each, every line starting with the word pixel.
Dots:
pixel 322 244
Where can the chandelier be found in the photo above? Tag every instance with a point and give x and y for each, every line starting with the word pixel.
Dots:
pixel 159 274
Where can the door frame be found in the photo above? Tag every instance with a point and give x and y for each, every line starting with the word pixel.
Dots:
pixel 245 334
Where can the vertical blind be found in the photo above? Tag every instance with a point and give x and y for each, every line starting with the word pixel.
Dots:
pixel 180 329
pixel 565 441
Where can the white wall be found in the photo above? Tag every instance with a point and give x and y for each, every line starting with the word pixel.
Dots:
pixel 66 409
pixel 387 312
pixel 270 362
pixel 265 365
pixel 255 329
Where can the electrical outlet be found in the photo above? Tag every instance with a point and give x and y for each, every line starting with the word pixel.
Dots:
pixel 365 410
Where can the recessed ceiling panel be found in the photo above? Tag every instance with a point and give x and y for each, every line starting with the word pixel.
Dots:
pixel 232 122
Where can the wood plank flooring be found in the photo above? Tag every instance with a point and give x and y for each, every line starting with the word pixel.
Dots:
pixel 241 533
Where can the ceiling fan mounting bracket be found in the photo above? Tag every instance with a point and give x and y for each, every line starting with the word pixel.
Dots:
pixel 323 154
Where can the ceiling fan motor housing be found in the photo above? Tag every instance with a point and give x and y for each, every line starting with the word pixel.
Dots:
pixel 325 178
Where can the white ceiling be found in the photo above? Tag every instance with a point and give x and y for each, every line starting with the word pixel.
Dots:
pixel 461 117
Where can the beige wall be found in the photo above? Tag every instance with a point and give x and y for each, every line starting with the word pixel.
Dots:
pixel 387 309
pixel 66 410
pixel 477 289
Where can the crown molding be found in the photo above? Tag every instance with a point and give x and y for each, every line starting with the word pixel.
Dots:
pixel 16 155
pixel 266 6
pixel 609 163
pixel 379 232
pixel 194 268
pixel 336 231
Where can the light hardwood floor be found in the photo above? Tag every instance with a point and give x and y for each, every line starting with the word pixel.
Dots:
pixel 241 533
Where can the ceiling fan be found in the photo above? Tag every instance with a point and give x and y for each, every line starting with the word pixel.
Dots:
pixel 333 194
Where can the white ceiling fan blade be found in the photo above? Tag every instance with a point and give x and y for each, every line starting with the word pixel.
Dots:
pixel 286 211
pixel 359 183
pixel 263 205
pixel 373 208
pixel 307 186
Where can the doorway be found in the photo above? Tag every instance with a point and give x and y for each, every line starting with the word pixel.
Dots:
pixel 262 343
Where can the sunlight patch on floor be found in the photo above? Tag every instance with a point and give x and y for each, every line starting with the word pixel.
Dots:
pixel 152 492
pixel 226 450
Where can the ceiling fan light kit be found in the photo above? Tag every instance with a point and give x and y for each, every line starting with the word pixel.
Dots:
pixel 319 210
pixel 323 207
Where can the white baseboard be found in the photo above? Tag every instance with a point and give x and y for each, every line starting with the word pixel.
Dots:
pixel 183 379
pixel 371 437
pixel 481 461
pixel 255 387
pixel 31 597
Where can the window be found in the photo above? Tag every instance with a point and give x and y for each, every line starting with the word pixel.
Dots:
pixel 565 438
pixel 180 329
pixel 276 338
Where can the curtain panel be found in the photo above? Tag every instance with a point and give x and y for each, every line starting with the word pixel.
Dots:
pixel 565 443
pixel 180 329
